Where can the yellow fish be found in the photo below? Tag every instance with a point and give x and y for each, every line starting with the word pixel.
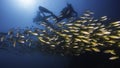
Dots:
pixel 85 41
pixel 21 41
pixel 85 32
pixel 75 46
pixel 66 31
pixel 76 39
pixel 117 22
pixel 96 49
pixel 94 43
pixel 70 24
pixel 113 58
pixel 114 37
pixel 88 49
pixel 110 52
pixel 111 41
pixel 41 39
pixel 52 45
pixel 77 25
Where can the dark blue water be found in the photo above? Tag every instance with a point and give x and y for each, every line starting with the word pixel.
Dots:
pixel 12 16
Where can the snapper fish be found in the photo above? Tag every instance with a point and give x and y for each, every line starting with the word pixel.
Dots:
pixel 96 49
pixel 21 41
pixel 110 52
pixel 35 34
pixel 113 58
pixel 2 38
pixel 104 18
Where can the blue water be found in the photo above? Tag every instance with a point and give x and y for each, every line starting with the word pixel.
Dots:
pixel 11 16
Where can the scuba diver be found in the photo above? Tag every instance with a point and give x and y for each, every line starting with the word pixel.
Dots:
pixel 40 17
pixel 41 14
pixel 44 10
pixel 67 13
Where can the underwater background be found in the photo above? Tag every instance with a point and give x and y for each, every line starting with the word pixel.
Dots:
pixel 16 14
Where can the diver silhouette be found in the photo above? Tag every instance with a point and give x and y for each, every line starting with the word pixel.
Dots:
pixel 67 13
pixel 43 14
pixel 45 10
pixel 40 17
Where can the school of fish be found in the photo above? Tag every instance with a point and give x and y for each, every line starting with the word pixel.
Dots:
pixel 85 34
